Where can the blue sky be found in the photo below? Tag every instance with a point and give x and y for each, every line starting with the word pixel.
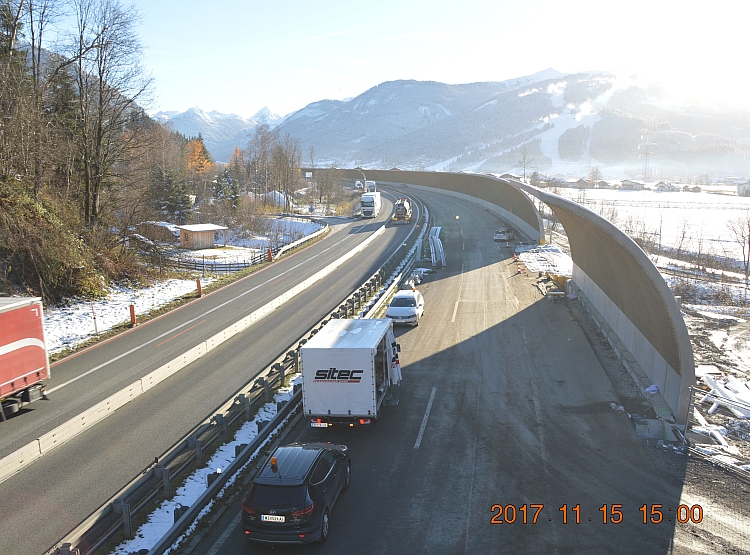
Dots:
pixel 239 56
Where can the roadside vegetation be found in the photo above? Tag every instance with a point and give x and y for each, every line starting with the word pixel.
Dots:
pixel 82 164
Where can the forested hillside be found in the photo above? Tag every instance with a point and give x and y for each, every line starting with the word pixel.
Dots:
pixel 81 162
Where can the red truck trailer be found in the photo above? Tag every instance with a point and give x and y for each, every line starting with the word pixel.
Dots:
pixel 24 364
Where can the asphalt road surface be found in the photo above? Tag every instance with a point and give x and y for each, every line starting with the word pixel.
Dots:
pixel 521 451
pixel 54 494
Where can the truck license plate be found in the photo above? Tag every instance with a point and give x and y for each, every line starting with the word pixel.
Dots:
pixel 319 424
pixel 272 518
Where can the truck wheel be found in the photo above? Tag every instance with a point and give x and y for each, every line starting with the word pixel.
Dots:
pixel 11 406
pixel 324 523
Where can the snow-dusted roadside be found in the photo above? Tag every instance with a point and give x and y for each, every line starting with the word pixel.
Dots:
pixel 69 326
pixel 162 519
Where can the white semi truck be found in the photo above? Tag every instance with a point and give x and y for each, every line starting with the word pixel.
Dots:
pixel 347 370
pixel 370 204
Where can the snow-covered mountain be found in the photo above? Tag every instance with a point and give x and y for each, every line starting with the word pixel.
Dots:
pixel 221 132
pixel 567 123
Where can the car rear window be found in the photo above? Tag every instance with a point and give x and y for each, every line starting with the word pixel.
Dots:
pixel 403 301
pixel 276 496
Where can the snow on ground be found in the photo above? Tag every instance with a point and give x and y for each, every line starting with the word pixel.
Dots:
pixel 546 258
pixel 162 519
pixel 218 254
pixel 694 222
pixel 567 118
pixel 69 326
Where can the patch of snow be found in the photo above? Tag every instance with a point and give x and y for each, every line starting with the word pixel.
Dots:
pixel 557 90
pixel 527 93
pixel 70 326
pixel 490 103
pixel 546 258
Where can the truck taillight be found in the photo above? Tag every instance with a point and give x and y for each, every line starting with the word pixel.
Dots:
pixel 365 421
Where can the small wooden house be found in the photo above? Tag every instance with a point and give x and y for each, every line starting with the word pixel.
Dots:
pixel 200 236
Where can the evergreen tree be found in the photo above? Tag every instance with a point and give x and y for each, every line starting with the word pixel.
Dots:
pixel 170 195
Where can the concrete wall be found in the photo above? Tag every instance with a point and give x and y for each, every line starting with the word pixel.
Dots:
pixel 632 300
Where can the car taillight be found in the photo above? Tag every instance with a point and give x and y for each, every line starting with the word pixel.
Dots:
pixel 304 513
pixel 247 510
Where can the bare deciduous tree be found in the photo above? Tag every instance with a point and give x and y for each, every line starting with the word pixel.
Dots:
pixel 111 84
pixel 740 230
pixel 525 159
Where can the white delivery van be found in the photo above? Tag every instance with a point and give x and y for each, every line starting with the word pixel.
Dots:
pixel 347 370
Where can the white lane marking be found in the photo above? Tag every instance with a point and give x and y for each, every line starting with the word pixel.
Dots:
pixel 424 420
pixel 169 332
pixel 224 535
pixel 460 288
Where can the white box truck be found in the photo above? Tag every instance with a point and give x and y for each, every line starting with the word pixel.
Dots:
pixel 370 204
pixel 347 369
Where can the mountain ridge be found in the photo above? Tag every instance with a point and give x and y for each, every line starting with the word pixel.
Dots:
pixel 221 133
pixel 562 123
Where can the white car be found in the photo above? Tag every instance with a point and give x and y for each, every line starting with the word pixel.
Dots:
pixel 406 307
pixel 504 234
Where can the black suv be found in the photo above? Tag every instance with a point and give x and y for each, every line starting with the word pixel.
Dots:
pixel 290 500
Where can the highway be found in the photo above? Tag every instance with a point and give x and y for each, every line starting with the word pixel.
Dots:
pixel 521 450
pixel 51 496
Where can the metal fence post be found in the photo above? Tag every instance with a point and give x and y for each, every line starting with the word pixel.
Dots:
pixel 163 473
pixel 198 452
pixel 248 408
pixel 224 423
pixel 127 525
pixel 689 416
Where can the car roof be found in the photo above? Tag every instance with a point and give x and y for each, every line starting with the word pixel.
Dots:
pixel 293 463
pixel 406 293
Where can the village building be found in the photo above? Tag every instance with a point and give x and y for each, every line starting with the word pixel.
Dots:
pixel 630 185
pixel 666 186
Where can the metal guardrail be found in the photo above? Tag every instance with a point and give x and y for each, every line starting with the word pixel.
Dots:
pixel 244 456
pixel 436 248
pixel 116 515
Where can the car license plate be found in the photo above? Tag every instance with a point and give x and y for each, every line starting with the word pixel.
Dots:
pixel 319 424
pixel 272 518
